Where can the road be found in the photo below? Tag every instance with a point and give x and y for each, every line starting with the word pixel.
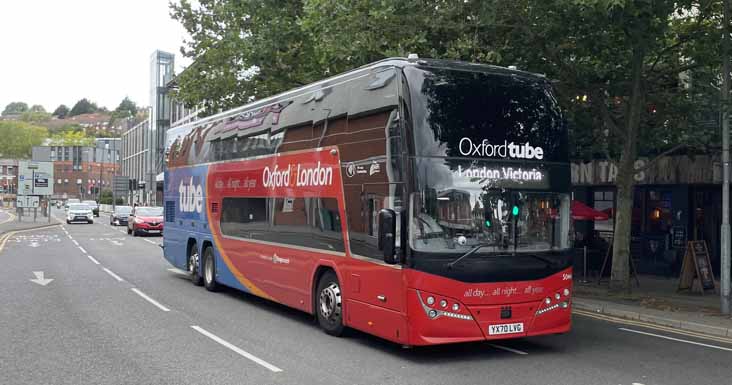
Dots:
pixel 116 313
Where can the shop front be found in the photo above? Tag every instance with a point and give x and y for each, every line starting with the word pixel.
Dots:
pixel 676 200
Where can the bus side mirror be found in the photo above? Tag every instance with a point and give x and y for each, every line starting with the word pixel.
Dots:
pixel 387 235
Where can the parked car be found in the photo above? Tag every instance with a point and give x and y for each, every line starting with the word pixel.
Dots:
pixel 94 206
pixel 79 212
pixel 145 220
pixel 70 201
pixel 120 215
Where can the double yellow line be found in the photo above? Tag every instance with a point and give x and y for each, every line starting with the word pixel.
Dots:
pixel 4 238
pixel 667 329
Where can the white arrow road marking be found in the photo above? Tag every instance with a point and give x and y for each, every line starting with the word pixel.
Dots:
pixel 676 339
pixel 40 280
pixel 236 349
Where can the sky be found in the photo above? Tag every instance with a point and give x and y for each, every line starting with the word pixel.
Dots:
pixel 56 52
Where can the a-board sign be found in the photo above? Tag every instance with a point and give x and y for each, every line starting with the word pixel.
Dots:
pixel 678 236
pixel 696 265
pixel 27 201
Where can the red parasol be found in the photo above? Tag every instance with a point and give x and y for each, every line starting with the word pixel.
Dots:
pixel 582 212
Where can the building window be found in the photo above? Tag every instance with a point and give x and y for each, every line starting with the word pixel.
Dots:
pixel 605 202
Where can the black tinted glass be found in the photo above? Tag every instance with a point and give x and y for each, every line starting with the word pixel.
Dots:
pixel 307 222
pixel 486 115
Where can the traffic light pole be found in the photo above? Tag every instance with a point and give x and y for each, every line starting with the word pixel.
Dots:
pixel 725 236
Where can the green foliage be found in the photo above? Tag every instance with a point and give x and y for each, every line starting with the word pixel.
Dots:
pixel 61 111
pixel 15 108
pixel 18 138
pixel 71 138
pixel 125 109
pixel 35 116
pixel 83 106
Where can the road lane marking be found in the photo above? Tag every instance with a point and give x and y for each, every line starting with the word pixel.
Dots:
pixel 115 276
pixel 151 242
pixel 6 236
pixel 236 349
pixel 152 301
pixel 506 348
pixel 92 259
pixel 10 217
pixel 668 329
pixel 75 242
pixel 83 250
pixel 676 339
pixel 177 271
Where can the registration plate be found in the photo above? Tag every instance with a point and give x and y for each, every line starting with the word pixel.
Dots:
pixel 506 329
pixel 153 231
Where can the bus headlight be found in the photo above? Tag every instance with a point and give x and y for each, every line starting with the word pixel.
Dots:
pixel 455 307
pixel 430 300
pixel 443 303
pixel 548 300
pixel 566 292
pixel 557 296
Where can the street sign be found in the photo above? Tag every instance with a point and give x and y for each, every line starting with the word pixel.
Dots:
pixel 27 201
pixel 35 178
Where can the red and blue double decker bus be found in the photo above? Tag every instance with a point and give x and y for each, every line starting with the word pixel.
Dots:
pixel 422 201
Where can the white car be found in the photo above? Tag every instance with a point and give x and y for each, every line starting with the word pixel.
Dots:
pixel 79 212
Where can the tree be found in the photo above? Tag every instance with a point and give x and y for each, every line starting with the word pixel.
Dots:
pixel 618 64
pixel 83 106
pixel 35 116
pixel 15 108
pixel 71 138
pixel 37 108
pixel 126 108
pixel 19 139
pixel 61 111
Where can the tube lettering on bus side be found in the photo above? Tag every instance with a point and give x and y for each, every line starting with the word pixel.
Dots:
pixel 190 197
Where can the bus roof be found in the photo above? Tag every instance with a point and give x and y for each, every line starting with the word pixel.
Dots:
pixel 398 62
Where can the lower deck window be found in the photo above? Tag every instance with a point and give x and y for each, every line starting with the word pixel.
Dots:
pixel 307 222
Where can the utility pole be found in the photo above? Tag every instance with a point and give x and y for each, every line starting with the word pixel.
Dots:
pixel 725 260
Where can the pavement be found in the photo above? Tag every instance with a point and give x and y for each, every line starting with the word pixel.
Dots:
pixel 657 301
pixel 88 304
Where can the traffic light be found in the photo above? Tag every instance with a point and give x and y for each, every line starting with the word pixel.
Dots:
pixel 132 184
pixel 488 218
pixel 515 210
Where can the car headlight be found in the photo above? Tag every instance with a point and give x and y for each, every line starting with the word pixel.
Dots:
pixel 138 220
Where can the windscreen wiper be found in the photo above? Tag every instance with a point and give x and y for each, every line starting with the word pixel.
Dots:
pixel 478 247
pixel 469 253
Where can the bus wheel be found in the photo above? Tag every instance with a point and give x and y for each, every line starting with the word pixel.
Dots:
pixel 193 266
pixel 329 308
pixel 209 270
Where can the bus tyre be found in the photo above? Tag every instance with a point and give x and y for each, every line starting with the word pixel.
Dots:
pixel 209 270
pixel 193 266
pixel 329 309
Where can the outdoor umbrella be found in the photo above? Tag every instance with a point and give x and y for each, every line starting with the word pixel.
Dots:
pixel 582 212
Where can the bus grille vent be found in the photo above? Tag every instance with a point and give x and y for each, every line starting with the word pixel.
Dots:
pixel 170 211
pixel 214 207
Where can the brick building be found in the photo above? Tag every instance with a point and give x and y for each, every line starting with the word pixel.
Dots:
pixel 8 177
pixel 81 171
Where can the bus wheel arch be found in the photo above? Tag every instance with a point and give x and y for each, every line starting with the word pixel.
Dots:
pixel 193 262
pixel 328 301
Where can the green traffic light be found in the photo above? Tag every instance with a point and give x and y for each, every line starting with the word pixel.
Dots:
pixel 487 223
pixel 515 210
